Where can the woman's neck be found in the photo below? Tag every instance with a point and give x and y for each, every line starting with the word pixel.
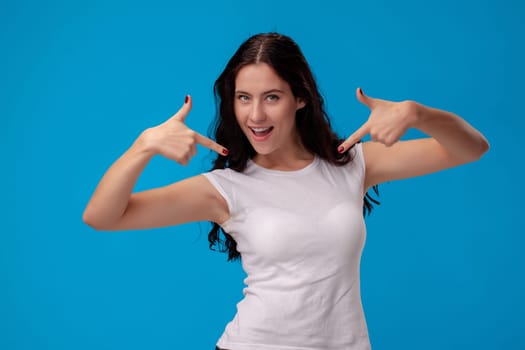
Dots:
pixel 287 161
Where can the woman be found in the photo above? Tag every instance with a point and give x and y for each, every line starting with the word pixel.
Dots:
pixel 285 191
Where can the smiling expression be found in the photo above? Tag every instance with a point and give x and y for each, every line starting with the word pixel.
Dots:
pixel 265 109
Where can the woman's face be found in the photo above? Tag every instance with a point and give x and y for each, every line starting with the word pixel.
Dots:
pixel 265 109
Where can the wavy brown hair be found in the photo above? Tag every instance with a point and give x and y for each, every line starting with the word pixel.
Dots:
pixel 285 57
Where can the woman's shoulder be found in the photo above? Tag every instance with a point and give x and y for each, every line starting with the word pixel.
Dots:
pixel 355 159
pixel 352 170
pixel 225 178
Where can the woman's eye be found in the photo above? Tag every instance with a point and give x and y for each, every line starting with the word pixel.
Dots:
pixel 243 98
pixel 272 98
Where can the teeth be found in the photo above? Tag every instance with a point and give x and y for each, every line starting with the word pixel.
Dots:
pixel 260 129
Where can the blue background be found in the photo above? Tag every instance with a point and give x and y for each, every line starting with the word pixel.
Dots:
pixel 443 265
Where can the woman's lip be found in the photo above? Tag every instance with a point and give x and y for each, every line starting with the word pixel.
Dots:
pixel 259 127
pixel 264 137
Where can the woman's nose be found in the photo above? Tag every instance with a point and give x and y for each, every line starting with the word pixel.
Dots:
pixel 257 114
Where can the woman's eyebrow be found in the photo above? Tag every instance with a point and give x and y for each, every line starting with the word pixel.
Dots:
pixel 264 93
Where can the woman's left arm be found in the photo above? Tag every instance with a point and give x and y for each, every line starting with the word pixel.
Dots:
pixel 452 140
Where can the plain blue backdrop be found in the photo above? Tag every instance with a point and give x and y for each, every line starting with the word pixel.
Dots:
pixel 443 266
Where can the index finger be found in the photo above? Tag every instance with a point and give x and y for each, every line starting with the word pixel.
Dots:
pixel 354 138
pixel 210 144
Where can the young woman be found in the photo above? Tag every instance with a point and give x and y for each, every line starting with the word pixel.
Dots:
pixel 286 193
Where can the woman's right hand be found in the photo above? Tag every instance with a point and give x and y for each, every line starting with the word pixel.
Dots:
pixel 175 141
pixel 113 206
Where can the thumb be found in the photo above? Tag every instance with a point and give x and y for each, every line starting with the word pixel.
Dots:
pixel 361 97
pixel 182 113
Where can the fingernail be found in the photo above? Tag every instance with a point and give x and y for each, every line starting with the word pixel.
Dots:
pixel 186 99
pixel 340 149
pixel 361 91
pixel 225 151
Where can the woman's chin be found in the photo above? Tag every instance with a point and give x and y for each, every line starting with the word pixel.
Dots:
pixel 261 151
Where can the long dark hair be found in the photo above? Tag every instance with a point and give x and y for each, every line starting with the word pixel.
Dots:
pixel 285 57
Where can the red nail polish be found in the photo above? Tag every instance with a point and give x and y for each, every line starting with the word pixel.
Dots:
pixel 225 151
pixel 361 91
pixel 341 149
pixel 186 99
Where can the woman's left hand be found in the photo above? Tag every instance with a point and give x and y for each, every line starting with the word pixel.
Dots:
pixel 387 123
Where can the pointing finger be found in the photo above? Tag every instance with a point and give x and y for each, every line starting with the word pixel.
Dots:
pixel 210 144
pixel 354 138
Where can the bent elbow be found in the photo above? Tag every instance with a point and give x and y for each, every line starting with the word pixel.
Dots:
pixel 483 148
pixel 90 219
pixel 471 153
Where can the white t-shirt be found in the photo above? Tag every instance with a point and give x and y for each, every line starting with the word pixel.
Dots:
pixel 300 235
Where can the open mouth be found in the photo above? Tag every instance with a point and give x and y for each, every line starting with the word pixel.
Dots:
pixel 261 132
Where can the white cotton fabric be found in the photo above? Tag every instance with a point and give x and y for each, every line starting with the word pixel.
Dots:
pixel 300 235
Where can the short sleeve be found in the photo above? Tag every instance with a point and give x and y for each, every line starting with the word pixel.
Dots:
pixel 359 162
pixel 221 180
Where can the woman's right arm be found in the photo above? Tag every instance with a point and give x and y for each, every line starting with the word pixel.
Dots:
pixel 113 206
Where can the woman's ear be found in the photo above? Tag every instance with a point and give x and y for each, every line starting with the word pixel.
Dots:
pixel 300 103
